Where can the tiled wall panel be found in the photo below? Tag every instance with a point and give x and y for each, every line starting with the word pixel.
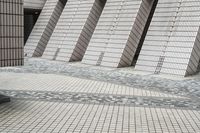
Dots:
pixel 172 45
pixel 34 4
pixel 74 30
pixel 118 33
pixel 11 32
pixel 157 35
pixel 43 28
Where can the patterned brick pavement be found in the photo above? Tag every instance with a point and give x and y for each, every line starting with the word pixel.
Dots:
pixel 92 100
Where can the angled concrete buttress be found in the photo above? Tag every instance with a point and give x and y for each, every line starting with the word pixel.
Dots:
pixel 172 44
pixel 74 30
pixel 44 27
pixel 118 33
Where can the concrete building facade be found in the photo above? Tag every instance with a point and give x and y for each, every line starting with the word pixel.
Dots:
pixel 118 33
pixel 113 33
pixel 11 33
pixel 74 30
pixel 172 43
pixel 44 28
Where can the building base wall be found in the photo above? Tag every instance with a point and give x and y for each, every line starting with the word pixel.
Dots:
pixel 11 33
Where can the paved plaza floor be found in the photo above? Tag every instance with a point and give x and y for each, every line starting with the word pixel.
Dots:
pixel 58 97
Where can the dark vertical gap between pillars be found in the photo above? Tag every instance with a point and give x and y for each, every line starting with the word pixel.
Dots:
pixel 144 33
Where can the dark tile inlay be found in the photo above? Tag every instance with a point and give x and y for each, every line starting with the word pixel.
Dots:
pixel 103 99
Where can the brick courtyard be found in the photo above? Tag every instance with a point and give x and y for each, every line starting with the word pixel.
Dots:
pixel 48 96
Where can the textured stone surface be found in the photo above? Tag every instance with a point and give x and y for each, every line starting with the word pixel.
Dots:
pixel 124 76
pixel 92 98
pixel 51 96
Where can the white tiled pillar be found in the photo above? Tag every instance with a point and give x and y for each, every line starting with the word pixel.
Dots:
pixel 118 33
pixel 172 43
pixel 74 30
pixel 11 33
pixel 43 28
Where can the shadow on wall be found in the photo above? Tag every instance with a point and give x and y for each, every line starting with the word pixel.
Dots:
pixel 30 18
pixel 144 33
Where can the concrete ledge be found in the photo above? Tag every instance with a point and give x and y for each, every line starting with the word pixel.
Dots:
pixel 4 99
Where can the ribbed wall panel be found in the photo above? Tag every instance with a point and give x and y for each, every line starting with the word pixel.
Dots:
pixel 171 45
pixel 118 33
pixel 11 33
pixel 43 28
pixel 34 4
pixel 74 30
pixel 157 35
